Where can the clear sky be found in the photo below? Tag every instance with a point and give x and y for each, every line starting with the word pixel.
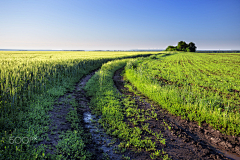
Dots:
pixel 118 24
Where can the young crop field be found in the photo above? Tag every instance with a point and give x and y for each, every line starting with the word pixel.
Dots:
pixel 119 105
pixel 199 87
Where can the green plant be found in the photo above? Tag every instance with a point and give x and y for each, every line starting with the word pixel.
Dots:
pixel 191 86
pixel 125 157
pixel 107 103
pixel 106 156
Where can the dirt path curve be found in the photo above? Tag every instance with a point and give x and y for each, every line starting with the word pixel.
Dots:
pixel 100 144
pixel 185 140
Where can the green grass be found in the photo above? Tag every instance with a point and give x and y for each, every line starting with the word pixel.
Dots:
pixel 108 103
pixel 199 87
pixel 30 84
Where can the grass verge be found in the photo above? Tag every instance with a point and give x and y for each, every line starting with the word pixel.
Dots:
pixel 116 112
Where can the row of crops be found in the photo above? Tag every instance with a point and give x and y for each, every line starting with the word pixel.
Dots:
pixel 30 82
pixel 200 87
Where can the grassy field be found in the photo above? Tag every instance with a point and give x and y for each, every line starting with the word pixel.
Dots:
pixel 203 87
pixel 30 83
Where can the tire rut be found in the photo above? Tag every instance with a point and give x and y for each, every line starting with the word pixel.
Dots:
pixel 100 144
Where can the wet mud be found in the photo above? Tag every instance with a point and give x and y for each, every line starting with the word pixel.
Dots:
pixel 102 146
pixel 184 139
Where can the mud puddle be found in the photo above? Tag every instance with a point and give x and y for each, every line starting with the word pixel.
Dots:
pixel 229 155
pixel 185 140
pixel 103 146
pixel 104 142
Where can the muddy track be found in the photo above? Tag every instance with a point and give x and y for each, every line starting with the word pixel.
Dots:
pixel 100 145
pixel 184 140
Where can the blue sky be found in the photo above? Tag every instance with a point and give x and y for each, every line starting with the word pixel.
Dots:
pixel 118 24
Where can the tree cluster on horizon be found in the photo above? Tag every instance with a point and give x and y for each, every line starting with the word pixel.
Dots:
pixel 183 46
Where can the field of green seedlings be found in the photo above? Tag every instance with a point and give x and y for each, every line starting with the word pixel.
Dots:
pixel 203 87
pixel 30 82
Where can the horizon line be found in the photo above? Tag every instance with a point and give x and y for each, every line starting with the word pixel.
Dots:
pixel 110 49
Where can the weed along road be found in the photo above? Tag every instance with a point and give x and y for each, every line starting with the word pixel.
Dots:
pixel 102 146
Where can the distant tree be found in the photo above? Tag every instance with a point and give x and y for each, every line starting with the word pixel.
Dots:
pixel 171 48
pixel 188 49
pixel 183 46
pixel 192 47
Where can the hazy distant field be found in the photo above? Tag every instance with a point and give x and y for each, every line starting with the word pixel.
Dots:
pixel 50 55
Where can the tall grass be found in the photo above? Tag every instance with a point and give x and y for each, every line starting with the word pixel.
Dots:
pixel 22 82
pixel 25 75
